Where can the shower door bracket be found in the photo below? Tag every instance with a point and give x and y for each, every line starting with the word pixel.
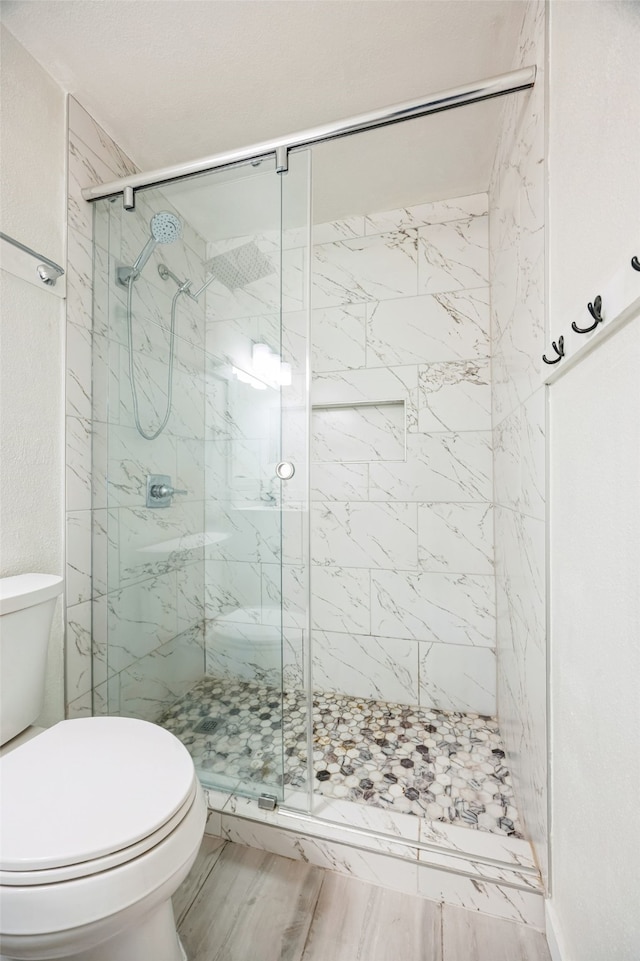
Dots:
pixel 267 802
pixel 282 160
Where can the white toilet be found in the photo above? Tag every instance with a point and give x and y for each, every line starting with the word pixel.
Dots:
pixel 101 817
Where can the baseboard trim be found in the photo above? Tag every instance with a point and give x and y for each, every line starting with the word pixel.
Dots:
pixel 554 938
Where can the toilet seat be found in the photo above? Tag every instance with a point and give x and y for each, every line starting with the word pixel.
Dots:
pixel 89 794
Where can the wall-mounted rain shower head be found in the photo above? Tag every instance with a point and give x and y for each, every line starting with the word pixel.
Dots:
pixel 237 268
pixel 165 228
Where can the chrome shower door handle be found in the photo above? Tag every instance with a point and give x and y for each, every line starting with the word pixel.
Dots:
pixel 285 470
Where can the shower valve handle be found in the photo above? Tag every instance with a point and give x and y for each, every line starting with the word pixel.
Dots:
pixel 160 491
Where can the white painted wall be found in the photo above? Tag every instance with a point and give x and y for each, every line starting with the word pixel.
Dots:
pixel 594 228
pixel 32 346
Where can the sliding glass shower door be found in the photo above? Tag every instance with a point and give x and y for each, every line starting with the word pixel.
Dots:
pixel 200 387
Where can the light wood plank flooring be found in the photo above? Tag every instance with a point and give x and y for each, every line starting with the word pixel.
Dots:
pixel 242 904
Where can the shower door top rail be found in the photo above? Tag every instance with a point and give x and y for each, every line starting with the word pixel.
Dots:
pixel 435 103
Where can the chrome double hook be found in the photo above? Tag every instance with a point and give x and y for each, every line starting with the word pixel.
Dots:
pixel 559 349
pixel 595 309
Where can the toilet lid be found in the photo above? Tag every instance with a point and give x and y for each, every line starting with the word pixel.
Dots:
pixel 86 788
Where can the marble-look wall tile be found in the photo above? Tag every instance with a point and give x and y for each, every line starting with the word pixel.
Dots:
pixel 154 541
pixel 340 599
pixel 366 666
pixel 131 459
pixel 457 678
pixel 79 281
pixel 453 256
pixel 454 609
pixel 338 338
pixel 138 542
pixel 439 467
pixel 376 386
pixel 265 295
pixel 149 685
pixel 358 433
pixel 455 538
pixel 286 585
pixel 78 576
pixel 521 645
pixel 244 649
pixel 78 652
pixel 140 618
pixel 78 444
pixel 336 230
pixel 83 127
pixel 250 535
pixel 230 585
pixel 454 395
pixel 417 330
pixel 339 482
pixel 367 268
pixel 103 551
pixel 190 607
pixel 519 456
pixel 79 706
pixel 427 348
pixel 421 215
pixel 360 534
pixel 85 169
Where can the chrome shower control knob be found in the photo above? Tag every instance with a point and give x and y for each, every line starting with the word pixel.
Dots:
pixel 160 491
pixel 285 470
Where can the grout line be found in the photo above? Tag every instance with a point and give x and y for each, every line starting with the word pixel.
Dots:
pixel 180 920
pixel 313 913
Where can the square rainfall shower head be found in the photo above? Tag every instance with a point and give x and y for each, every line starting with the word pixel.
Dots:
pixel 240 266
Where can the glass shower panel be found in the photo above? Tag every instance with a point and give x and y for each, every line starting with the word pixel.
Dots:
pixel 188 538
pixel 256 613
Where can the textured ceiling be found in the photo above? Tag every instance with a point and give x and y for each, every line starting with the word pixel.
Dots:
pixel 173 80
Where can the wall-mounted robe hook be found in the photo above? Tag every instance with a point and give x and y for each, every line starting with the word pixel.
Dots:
pixel 595 309
pixel 559 349
pixel 635 263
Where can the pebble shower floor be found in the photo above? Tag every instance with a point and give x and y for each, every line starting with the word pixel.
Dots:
pixel 441 765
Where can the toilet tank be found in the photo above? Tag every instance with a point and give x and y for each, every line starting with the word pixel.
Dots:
pixel 27 602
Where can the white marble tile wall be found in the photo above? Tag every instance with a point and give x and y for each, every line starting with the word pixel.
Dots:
pixel 516 230
pixel 402 476
pixel 139 586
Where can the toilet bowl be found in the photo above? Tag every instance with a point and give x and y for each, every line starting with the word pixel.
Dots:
pixel 101 817
pixel 101 820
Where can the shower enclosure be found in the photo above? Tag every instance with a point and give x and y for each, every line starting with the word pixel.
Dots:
pixel 304 401
pixel 201 293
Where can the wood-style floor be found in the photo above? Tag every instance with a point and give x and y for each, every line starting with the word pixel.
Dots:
pixel 242 904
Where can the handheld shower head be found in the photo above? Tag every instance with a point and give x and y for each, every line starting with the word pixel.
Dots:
pixel 165 229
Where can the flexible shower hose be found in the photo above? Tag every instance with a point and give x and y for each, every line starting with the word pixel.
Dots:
pixel 132 377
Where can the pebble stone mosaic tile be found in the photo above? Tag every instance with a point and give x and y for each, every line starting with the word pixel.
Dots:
pixel 440 765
